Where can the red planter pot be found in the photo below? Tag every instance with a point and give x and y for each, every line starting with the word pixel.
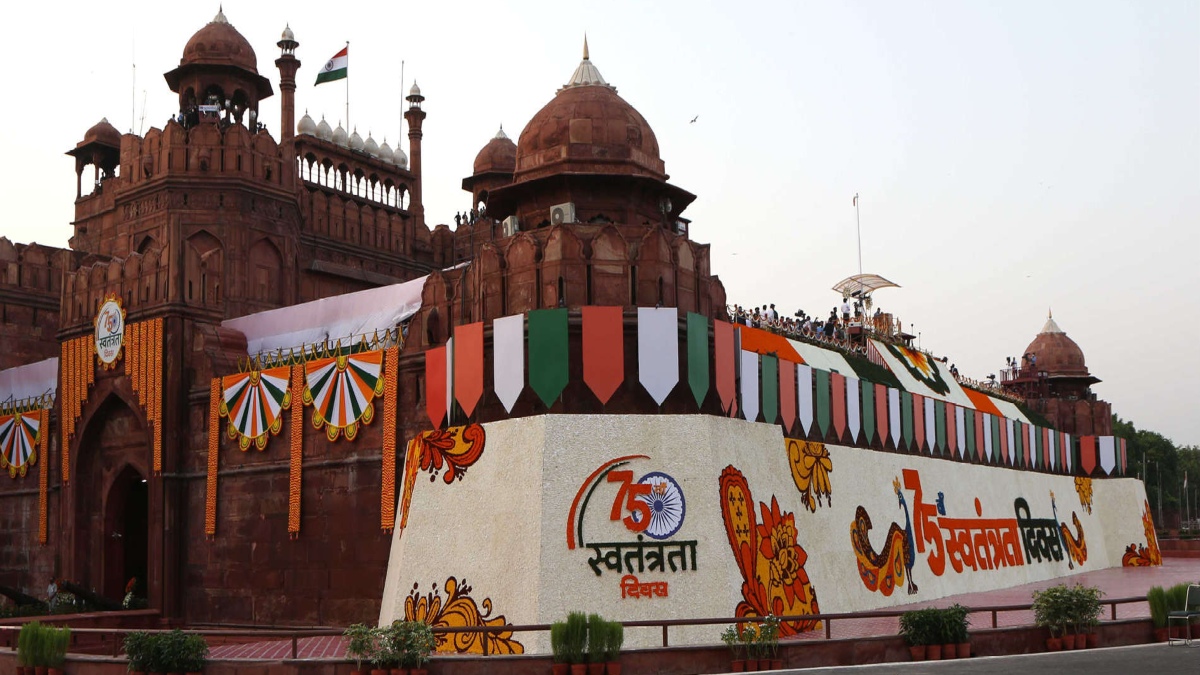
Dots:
pixel 596 669
pixel 737 666
pixel 917 652
pixel 560 668
pixel 1068 642
pixel 1054 644
pixel 751 665
pixel 612 668
pixel 578 669
pixel 950 651
pixel 1093 639
pixel 964 650
pixel 933 652
pixel 399 671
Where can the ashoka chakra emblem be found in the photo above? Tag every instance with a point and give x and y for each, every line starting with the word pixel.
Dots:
pixel 667 506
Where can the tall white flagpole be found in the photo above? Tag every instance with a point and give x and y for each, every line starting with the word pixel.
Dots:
pixel 348 127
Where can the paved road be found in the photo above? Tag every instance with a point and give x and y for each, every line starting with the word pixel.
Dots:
pixel 1156 659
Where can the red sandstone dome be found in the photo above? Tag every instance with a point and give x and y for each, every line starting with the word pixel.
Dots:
pixel 103 133
pixel 499 155
pixel 219 43
pixel 588 128
pixel 1056 353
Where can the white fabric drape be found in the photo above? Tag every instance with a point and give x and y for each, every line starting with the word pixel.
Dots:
pixel 508 368
pixel 987 436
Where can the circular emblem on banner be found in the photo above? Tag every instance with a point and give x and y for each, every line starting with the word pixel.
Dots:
pixel 110 331
pixel 666 503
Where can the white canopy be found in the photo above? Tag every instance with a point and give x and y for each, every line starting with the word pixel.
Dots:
pixel 862 284
pixel 330 319
pixel 29 381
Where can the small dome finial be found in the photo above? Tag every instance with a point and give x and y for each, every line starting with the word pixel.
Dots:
pixel 585 48
pixel 1049 313
pixel 220 17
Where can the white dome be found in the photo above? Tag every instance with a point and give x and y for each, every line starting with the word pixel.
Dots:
pixel 307 126
pixel 324 132
pixel 385 152
pixel 356 141
pixel 288 35
pixel 415 91
pixel 340 136
pixel 400 159
pixel 371 147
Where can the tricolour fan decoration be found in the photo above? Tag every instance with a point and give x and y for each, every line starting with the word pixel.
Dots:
pixel 341 390
pixel 253 403
pixel 18 441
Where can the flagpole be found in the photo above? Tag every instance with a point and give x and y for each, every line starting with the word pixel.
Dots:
pixel 858 226
pixel 348 85
pixel 400 138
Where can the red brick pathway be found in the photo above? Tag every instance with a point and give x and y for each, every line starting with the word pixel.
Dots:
pixel 1116 582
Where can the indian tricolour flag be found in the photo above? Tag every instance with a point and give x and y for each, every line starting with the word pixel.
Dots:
pixel 334 68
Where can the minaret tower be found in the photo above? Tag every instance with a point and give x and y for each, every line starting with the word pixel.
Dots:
pixel 415 117
pixel 288 64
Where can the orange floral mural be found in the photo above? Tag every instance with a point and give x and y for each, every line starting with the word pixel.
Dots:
pixel 1083 486
pixel 768 555
pixel 811 467
pixel 454 450
pixel 459 610
pixel 1137 555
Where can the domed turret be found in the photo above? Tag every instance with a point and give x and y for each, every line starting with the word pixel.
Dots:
pixel 385 151
pixel 324 132
pixel 219 61
pixel 356 141
pixel 370 146
pixel 500 154
pixel 219 43
pixel 307 126
pixel 588 128
pixel 104 134
pixel 340 136
pixel 1056 354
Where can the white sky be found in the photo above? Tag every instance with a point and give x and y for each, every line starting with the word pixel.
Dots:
pixel 1011 156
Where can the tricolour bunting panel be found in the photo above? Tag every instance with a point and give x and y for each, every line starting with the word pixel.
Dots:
pixel 687 516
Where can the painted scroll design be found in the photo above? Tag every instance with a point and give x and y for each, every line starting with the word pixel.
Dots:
pixel 811 466
pixel 459 610
pixel 887 569
pixel 768 555
pixel 452 450
pixel 1137 555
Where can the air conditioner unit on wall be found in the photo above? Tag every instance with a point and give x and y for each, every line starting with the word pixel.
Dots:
pixel 511 226
pixel 562 213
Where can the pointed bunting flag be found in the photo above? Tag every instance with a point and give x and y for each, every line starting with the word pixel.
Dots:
pixel 787 395
pixel 881 413
pixel 939 420
pixel 918 404
pixel 750 385
pixel 989 450
pixel 1087 454
pixel 868 412
pixel 852 407
pixel 725 365
pixel 697 355
pixel 603 350
pixel 508 367
pixel 804 396
pixel 468 366
pixel 1108 454
pixel 1070 447
pixel 770 388
pixel 435 385
pixel 658 350
pixel 960 430
pixel 822 390
pixel 894 422
pixel 930 405
pixel 837 384
pixel 1010 446
pixel 548 353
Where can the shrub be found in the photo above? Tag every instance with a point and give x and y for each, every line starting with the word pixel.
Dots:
pixel 558 641
pixel 137 650
pixel 956 622
pixel 361 644
pixel 922 627
pixel 1085 607
pixel 1051 608
pixel 596 638
pixel 1156 597
pixel 768 637
pixel 733 639
pixel 56 641
pixel 190 652
pixel 1177 597
pixel 577 635
pixel 616 639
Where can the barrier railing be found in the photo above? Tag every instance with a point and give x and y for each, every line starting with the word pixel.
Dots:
pixel 113 638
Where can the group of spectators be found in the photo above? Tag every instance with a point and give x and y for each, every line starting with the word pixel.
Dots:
pixel 801 325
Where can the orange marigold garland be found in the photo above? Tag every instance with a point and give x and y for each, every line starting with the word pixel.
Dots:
pixel 296 427
pixel 387 506
pixel 43 475
pixel 158 386
pixel 214 445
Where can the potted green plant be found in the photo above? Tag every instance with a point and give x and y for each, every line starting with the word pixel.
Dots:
pixel 558 648
pixel 26 647
pixel 56 641
pixel 596 637
pixel 612 647
pixel 138 651
pixel 1050 612
pixel 420 644
pixel 1176 602
pixel 957 623
pixel 191 652
pixel 749 639
pixel 733 639
pixel 576 645
pixel 1156 597
pixel 1087 610
pixel 381 656
pixel 768 639
pixel 912 629
pixel 359 646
